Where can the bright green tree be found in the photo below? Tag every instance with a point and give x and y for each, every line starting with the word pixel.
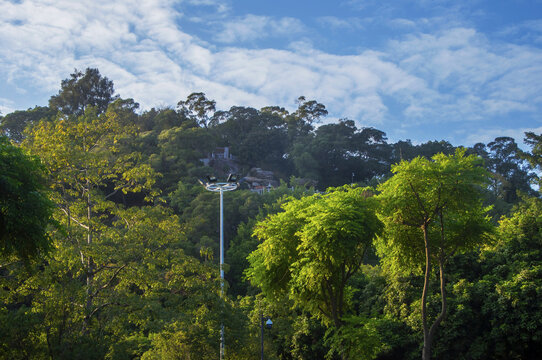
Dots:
pixel 87 170
pixel 312 249
pixel 432 209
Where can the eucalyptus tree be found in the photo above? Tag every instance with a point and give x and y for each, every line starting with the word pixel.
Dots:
pixel 83 90
pixel 199 108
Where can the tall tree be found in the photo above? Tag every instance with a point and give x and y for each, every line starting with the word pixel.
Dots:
pixel 25 209
pixel 301 122
pixel 198 107
pixel 432 209
pixel 310 110
pixel 86 170
pixel 535 156
pixel 82 90
pixel 511 173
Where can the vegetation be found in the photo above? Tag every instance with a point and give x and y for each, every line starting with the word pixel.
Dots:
pixel 363 249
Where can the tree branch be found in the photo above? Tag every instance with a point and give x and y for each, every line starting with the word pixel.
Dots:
pixel 98 309
pixel 110 280
pixel 73 219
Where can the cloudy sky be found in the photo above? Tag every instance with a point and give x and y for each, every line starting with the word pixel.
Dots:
pixel 460 70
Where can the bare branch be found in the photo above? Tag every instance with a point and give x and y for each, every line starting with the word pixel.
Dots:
pixel 74 219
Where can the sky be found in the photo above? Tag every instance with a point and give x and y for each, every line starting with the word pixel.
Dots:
pixel 465 71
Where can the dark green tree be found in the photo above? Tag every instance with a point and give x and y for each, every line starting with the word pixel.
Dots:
pixel 511 173
pixel 13 124
pixel 257 139
pixel 82 90
pixel 535 156
pixel 25 209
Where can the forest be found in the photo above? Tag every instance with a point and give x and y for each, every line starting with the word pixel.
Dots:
pixel 355 247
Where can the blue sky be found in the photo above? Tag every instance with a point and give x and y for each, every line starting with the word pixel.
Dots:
pixel 463 71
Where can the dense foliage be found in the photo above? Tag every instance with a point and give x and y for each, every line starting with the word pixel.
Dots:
pixel 361 249
pixel 25 210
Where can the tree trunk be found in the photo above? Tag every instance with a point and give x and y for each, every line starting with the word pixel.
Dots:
pixel 427 338
pixel 90 264
pixel 429 334
pixel 444 305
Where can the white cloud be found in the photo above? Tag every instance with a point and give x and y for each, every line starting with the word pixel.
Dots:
pixel 454 75
pixel 252 27
pixel 338 23
pixel 6 106
pixel 403 23
pixel 220 5
pixel 470 78
pixel 358 4
pixel 488 135
pixel 526 31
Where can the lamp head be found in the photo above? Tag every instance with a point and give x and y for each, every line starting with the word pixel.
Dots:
pixel 269 324
pixel 232 178
pixel 211 179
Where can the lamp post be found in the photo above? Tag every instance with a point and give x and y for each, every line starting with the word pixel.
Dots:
pixel 212 184
pixel 268 324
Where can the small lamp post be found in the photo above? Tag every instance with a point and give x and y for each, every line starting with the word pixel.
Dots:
pixel 212 184
pixel 268 325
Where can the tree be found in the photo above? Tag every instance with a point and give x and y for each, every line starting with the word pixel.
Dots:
pixel 498 312
pixel 146 286
pixel 82 90
pixel 512 174
pixel 256 138
pixel 333 146
pixel 25 209
pixel 312 249
pixel 339 153
pixel 310 110
pixel 300 123
pixel 431 210
pixel 535 157
pixel 179 150
pixel 13 124
pixel 198 107
pixel 87 169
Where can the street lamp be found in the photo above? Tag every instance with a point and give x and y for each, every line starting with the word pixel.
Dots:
pixel 212 184
pixel 268 324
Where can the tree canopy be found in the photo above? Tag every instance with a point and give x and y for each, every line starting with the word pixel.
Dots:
pixel 25 208
pixel 432 209
pixel 312 248
pixel 81 90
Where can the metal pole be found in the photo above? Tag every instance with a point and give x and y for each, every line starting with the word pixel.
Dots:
pixel 261 328
pixel 222 344
pixel 220 187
